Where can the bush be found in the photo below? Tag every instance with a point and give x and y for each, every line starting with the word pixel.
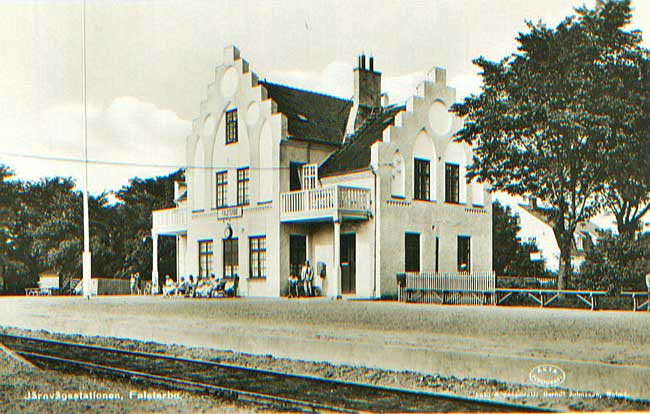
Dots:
pixel 616 263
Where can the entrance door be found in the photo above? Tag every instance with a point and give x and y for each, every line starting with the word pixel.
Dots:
pixel 348 263
pixel 297 253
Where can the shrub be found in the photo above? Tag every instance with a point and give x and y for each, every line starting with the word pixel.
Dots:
pixel 616 263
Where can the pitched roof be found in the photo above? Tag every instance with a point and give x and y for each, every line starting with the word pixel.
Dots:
pixel 311 116
pixel 585 228
pixel 355 153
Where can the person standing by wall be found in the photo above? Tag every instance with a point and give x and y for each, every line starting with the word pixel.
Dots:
pixel 647 285
pixel 308 278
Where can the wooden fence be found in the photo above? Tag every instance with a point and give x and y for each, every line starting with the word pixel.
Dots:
pixel 475 288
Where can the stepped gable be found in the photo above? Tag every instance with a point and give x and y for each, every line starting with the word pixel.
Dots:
pixel 355 153
pixel 311 116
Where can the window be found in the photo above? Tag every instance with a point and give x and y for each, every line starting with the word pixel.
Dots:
pixel 464 264
pixel 451 183
pixel 309 176
pixel 205 258
pixel 295 169
pixel 412 252
pixel 242 187
pixel 231 126
pixel 421 179
pixel 222 189
pixel 257 256
pixel 230 257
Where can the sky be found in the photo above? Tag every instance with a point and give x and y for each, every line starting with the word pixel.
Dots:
pixel 149 64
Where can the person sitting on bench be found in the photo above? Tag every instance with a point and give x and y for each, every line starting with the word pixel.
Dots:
pixel 230 290
pixel 191 287
pixel 170 287
pixel 294 281
pixel 203 288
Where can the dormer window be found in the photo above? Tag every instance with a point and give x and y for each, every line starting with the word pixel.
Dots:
pixel 231 126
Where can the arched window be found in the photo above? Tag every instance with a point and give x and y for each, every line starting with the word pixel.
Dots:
pixel 397 176
pixel 424 171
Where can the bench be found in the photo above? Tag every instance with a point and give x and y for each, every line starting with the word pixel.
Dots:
pixel 447 296
pixel 40 291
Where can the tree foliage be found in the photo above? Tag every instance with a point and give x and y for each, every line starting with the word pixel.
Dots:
pixel 510 256
pixel 549 117
pixel 625 100
pixel 41 228
pixel 139 199
pixel 616 263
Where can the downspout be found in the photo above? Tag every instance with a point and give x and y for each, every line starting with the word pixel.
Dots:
pixel 374 244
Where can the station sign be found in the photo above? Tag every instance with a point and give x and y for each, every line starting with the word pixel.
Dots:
pixel 229 213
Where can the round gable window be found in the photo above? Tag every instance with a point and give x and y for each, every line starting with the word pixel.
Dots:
pixel 440 118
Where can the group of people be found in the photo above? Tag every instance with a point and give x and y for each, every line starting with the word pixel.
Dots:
pixel 306 279
pixel 200 287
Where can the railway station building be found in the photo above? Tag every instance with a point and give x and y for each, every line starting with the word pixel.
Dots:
pixel 362 189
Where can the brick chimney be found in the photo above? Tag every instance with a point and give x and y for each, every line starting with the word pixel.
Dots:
pixel 367 84
pixel 367 94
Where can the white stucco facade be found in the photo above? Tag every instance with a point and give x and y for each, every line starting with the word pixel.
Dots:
pixel 367 210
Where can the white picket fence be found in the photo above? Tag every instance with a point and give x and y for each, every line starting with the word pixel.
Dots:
pixel 474 288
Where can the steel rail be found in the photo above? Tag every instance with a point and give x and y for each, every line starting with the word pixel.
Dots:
pixel 194 384
pixel 488 404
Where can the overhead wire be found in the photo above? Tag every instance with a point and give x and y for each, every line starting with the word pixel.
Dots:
pixel 129 163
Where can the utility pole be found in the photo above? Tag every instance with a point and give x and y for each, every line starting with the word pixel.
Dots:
pixel 86 255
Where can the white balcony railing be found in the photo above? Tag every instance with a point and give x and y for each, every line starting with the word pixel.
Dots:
pixel 171 220
pixel 325 201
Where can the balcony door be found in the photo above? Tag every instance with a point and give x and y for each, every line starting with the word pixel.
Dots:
pixel 348 263
pixel 295 175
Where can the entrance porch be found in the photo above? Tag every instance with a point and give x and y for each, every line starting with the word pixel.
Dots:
pixel 340 252
pixel 171 222
pixel 327 246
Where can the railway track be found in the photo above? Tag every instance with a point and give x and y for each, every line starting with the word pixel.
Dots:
pixel 275 388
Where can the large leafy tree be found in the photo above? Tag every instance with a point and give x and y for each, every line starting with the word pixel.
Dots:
pixel 55 231
pixel 625 101
pixel 544 125
pixel 8 203
pixel 41 228
pixel 139 199
pixel 511 256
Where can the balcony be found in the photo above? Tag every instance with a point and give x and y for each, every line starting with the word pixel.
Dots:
pixel 170 221
pixel 325 204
